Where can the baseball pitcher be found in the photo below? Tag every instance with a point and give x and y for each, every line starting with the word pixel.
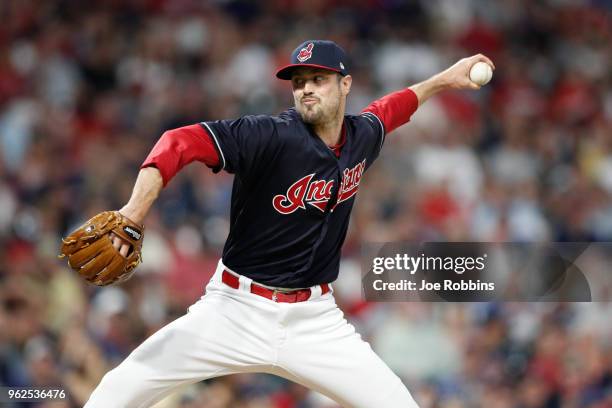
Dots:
pixel 269 306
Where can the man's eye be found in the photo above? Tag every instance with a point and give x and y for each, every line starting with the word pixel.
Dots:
pixel 319 78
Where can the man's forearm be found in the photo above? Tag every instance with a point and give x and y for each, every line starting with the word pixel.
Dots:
pixel 424 90
pixel 146 190
pixel 175 149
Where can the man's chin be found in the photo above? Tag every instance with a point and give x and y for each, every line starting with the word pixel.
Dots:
pixel 311 118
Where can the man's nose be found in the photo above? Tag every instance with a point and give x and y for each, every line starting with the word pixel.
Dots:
pixel 308 87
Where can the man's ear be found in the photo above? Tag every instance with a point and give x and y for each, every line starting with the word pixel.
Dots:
pixel 345 84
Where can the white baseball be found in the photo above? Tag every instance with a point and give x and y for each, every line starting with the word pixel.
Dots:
pixel 481 73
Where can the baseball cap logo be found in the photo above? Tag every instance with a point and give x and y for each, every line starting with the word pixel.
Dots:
pixel 305 53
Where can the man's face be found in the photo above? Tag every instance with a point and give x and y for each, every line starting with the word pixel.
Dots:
pixel 319 94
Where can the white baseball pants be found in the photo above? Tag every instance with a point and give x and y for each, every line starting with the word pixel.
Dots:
pixel 232 331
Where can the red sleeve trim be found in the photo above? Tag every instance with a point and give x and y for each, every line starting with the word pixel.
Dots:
pixel 394 109
pixel 178 147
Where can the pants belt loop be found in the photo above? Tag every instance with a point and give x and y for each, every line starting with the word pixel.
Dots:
pixel 315 292
pixel 245 283
pixel 217 277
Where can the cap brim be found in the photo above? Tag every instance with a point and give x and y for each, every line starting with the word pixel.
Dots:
pixel 285 72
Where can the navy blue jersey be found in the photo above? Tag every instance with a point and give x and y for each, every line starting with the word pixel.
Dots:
pixel 292 197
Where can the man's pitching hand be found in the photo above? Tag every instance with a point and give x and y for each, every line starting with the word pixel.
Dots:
pixel 455 77
pixel 458 75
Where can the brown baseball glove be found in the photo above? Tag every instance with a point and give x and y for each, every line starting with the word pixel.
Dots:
pixel 91 253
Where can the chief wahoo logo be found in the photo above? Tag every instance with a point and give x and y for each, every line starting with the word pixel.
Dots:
pixel 305 53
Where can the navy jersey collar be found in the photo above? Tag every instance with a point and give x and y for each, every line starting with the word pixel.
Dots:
pixel 343 137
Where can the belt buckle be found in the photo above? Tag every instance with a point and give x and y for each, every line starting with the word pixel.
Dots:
pixel 274 293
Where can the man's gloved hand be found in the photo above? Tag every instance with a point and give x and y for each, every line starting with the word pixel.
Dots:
pixel 91 253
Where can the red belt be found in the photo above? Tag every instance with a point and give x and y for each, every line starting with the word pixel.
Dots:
pixel 299 295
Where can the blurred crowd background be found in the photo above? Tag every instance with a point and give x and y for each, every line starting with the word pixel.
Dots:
pixel 87 87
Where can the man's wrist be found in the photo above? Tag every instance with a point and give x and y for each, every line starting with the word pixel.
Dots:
pixel 136 215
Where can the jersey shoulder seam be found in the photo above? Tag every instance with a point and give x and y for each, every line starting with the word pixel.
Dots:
pixel 217 144
pixel 367 115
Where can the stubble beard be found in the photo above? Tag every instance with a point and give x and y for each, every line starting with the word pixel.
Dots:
pixel 316 115
pixel 312 115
